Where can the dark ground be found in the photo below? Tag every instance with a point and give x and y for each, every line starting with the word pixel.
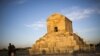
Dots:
pixel 25 53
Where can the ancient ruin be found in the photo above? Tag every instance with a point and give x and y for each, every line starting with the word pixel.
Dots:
pixel 59 37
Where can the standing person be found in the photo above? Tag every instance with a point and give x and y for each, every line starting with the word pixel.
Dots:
pixel 9 49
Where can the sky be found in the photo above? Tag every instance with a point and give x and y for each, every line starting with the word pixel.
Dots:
pixel 24 21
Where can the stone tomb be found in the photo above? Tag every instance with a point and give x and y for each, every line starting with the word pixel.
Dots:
pixel 59 37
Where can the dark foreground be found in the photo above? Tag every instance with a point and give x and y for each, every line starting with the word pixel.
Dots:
pixel 25 53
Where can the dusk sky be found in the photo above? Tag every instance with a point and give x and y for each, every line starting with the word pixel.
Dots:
pixel 24 21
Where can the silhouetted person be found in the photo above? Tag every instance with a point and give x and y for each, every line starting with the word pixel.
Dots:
pixel 11 50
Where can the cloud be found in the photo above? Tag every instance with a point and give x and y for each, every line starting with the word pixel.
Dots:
pixel 37 25
pixel 21 1
pixel 76 13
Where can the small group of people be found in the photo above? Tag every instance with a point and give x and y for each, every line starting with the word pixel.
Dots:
pixel 11 50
